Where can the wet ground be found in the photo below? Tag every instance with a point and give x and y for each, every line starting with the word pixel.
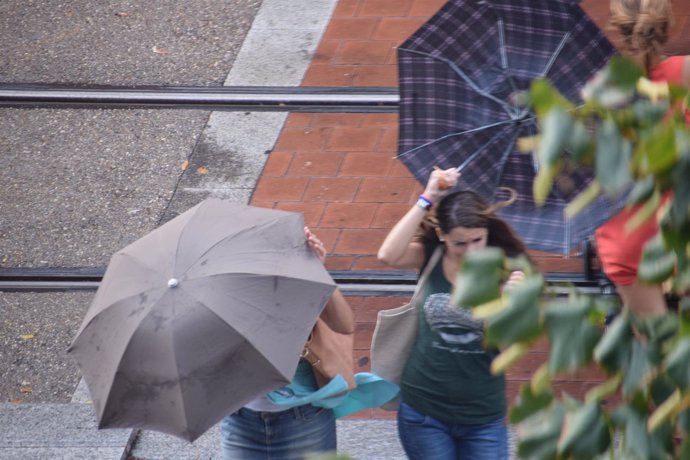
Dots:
pixel 78 184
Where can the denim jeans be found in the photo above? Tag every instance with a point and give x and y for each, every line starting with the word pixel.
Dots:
pixel 425 438
pixel 290 434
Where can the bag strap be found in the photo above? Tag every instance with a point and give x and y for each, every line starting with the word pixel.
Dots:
pixel 424 277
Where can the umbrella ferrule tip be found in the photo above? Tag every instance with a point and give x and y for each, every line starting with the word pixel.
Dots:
pixel 173 282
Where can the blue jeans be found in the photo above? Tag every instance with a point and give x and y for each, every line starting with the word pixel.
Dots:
pixel 425 438
pixel 290 434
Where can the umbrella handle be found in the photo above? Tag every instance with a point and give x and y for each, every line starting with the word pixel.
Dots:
pixel 442 184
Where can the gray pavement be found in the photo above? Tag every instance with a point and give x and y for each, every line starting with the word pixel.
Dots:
pixel 359 439
pixel 81 184
pixel 158 42
pixel 35 331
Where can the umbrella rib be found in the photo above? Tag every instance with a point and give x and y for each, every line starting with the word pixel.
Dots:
pixel 286 276
pixel 467 79
pixel 222 240
pixel 493 125
pixel 555 54
pixel 509 149
pixel 552 60
pixel 477 152
pixel 504 58
pixel 273 251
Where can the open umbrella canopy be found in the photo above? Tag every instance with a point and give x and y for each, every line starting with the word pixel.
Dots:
pixel 200 316
pixel 463 76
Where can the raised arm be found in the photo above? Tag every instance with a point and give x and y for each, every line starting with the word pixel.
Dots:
pixel 337 313
pixel 399 249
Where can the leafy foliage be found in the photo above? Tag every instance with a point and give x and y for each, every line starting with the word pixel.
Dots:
pixel 634 133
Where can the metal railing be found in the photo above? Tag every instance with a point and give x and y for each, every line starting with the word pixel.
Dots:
pixel 352 283
pixel 231 98
pixel 223 98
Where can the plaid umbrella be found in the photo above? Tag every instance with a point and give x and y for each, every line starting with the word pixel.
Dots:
pixel 461 77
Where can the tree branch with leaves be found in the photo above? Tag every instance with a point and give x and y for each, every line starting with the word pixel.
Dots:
pixel 633 134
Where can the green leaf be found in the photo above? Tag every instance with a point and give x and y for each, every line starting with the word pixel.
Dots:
pixel 681 282
pixel 660 149
pixel 572 336
pixel 543 97
pixel 665 411
pixel 605 389
pixel 657 329
pixel 555 132
pixel 678 92
pixel 613 154
pixel 479 279
pixel 660 389
pixel 614 98
pixel 581 201
pixel 541 379
pixel 636 441
pixel 614 86
pixel 528 403
pixel 657 262
pixel 520 263
pixel 542 183
pixel 677 364
pixel 519 320
pixel 648 113
pixel 613 351
pixel 681 196
pixel 586 434
pixel 645 212
pixel 508 357
pixel 580 142
pixel 684 423
pixel 539 434
pixel 643 190
pixel 638 367
pixel 624 72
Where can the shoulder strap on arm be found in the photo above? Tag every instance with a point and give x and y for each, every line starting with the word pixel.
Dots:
pixel 433 260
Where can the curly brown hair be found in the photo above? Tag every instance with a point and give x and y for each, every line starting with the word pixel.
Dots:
pixel 644 26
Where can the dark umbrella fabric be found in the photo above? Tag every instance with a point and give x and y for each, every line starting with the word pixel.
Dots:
pixel 461 77
pixel 200 316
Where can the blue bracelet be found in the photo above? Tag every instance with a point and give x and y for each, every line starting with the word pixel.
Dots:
pixel 424 203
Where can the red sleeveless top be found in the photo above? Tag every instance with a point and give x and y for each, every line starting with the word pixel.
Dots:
pixel 620 253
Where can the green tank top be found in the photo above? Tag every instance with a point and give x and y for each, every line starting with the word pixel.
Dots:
pixel 447 375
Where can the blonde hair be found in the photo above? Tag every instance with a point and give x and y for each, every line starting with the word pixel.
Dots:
pixel 644 26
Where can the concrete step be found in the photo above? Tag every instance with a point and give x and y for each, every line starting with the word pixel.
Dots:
pixel 58 431
pixel 360 439
pixel 68 432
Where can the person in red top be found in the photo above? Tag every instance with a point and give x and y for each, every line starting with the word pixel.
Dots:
pixel 644 27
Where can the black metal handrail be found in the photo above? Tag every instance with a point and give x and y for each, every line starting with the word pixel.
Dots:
pixel 365 283
pixel 223 98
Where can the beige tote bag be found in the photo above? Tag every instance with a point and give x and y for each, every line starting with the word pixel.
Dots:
pixel 395 334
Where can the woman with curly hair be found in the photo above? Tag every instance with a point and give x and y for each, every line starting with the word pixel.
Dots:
pixel 644 27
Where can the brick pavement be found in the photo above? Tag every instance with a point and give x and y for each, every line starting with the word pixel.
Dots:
pixel 339 168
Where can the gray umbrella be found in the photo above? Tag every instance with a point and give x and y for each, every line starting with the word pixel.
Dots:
pixel 199 317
